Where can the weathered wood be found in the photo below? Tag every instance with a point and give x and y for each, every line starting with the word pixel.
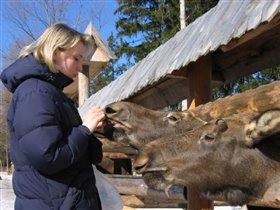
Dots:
pixel 106 165
pixel 253 49
pixel 145 202
pixel 161 95
pixel 115 166
pixel 256 55
pixel 257 100
pixel 128 208
pixel 275 203
pixel 83 82
pixel 200 77
pixel 132 201
pixel 132 185
pixel 250 35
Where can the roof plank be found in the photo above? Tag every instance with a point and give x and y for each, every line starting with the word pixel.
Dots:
pixel 227 21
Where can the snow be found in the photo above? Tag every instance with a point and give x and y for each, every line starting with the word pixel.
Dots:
pixel 7 196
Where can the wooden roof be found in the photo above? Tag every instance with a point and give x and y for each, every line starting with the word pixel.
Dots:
pixel 241 37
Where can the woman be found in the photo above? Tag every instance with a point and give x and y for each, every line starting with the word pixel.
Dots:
pixel 51 146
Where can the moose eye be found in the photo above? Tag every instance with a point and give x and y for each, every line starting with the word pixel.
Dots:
pixel 209 137
pixel 172 118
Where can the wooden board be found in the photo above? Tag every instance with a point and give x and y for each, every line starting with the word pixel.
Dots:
pixel 257 100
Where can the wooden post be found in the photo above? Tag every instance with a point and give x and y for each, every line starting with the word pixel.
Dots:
pixel 200 76
pixel 83 80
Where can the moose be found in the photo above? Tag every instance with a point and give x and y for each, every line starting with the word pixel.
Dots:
pixel 160 131
pixel 235 159
pixel 135 125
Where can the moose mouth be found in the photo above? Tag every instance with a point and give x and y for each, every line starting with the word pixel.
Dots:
pixel 111 114
pixel 146 168
pixel 117 124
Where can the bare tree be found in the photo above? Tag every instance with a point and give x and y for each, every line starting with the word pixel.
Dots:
pixel 29 19
pixel 5 98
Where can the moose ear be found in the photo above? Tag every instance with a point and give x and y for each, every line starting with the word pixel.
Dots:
pixel 222 125
pixel 267 124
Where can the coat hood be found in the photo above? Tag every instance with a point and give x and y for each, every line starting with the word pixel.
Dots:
pixel 28 67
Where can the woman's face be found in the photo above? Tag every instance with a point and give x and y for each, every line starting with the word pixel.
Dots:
pixel 70 61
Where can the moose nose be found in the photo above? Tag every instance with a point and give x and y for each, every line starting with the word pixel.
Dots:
pixel 141 162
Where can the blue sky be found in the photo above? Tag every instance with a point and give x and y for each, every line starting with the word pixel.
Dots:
pixel 106 6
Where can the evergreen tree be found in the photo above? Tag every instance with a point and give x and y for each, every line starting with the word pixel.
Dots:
pixel 5 98
pixel 248 82
pixel 144 25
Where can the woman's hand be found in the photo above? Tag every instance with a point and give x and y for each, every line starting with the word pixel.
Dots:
pixel 94 118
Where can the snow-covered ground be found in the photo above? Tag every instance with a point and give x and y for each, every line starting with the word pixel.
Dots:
pixel 7 196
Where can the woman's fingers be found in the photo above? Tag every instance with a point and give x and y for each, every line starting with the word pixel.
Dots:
pixel 94 118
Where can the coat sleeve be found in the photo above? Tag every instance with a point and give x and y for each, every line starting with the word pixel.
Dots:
pixel 40 135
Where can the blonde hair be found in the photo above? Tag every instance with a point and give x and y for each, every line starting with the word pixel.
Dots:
pixel 58 36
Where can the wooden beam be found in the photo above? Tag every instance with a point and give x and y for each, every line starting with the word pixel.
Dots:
pixel 161 94
pixel 115 166
pixel 133 185
pixel 83 85
pixel 255 55
pixel 179 74
pixel 146 202
pixel 257 100
pixel 252 34
pixel 200 77
pixel 133 201
pixel 264 60
pixel 128 208
pixel 95 67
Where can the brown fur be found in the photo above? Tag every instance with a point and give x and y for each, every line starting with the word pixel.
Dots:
pixel 217 160
pixel 136 126
pixel 238 157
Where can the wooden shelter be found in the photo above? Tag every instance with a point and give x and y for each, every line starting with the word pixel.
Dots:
pixel 101 56
pixel 236 38
pixel 232 40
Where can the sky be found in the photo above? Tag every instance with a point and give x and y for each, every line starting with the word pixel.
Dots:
pixel 108 20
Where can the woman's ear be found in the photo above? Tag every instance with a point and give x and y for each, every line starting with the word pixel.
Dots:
pixel 56 58
pixel 55 55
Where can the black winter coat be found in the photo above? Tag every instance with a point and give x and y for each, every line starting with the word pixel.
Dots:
pixel 49 147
